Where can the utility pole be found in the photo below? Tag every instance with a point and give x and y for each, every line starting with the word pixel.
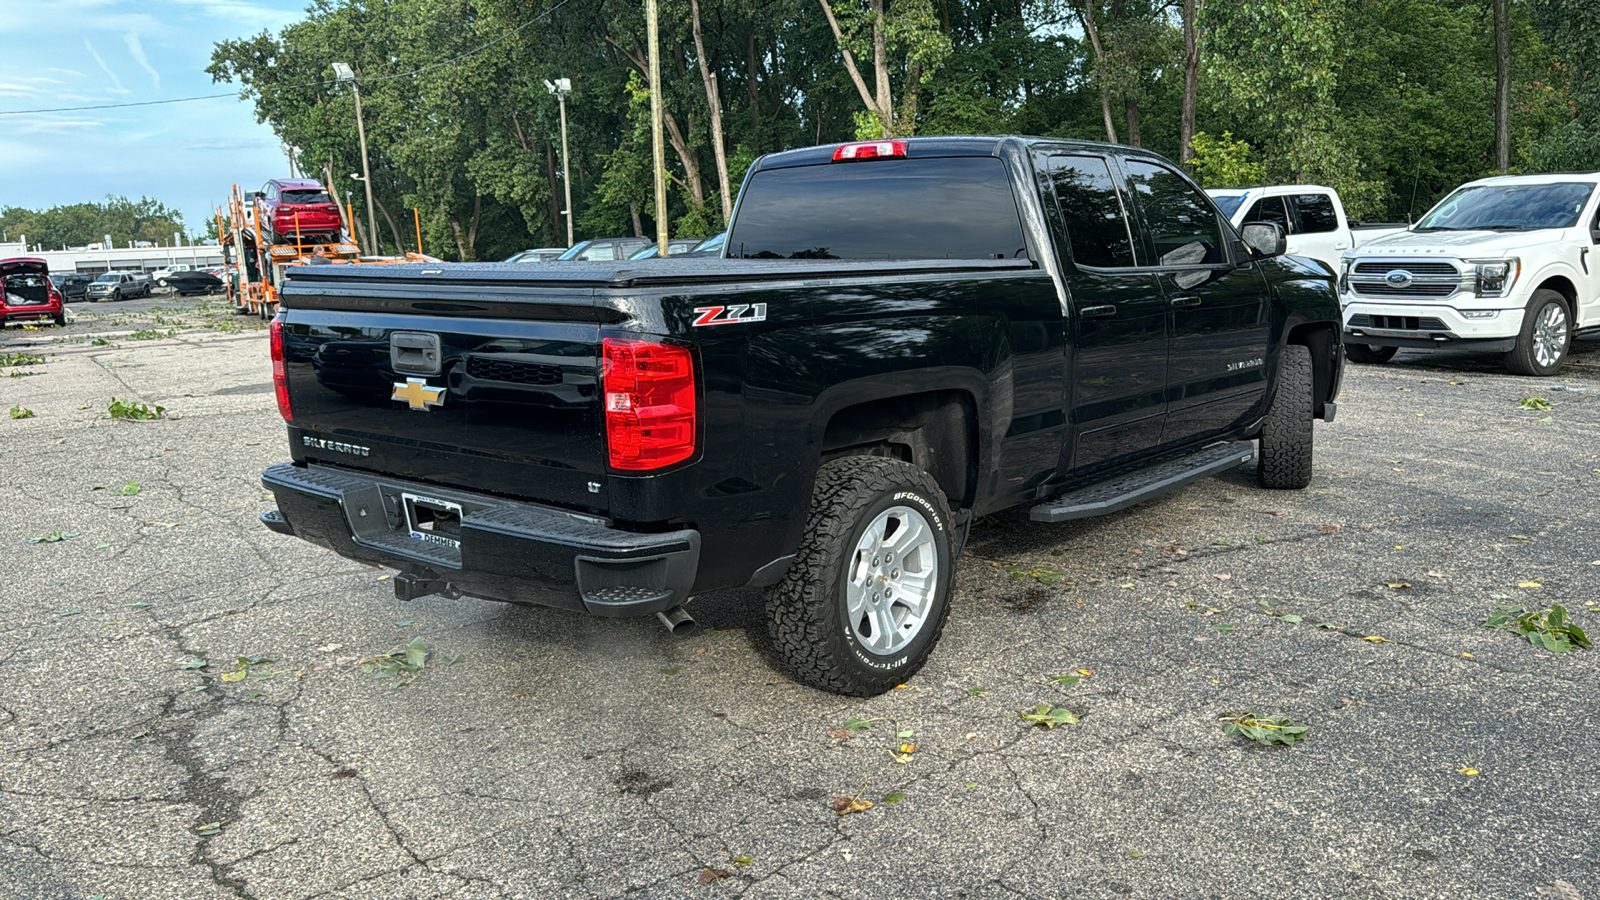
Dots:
pixel 561 87
pixel 658 150
pixel 346 75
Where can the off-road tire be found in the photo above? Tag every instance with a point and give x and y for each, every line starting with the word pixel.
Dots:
pixel 807 610
pixel 1286 438
pixel 1366 353
pixel 1546 336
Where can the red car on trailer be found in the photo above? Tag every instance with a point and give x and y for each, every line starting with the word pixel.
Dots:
pixel 28 293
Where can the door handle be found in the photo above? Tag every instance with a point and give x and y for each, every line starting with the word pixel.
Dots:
pixel 1102 311
pixel 1184 302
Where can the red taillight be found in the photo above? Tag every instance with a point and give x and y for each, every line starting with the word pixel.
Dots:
pixel 650 403
pixel 280 378
pixel 869 150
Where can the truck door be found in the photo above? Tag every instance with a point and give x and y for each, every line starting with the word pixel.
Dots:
pixel 1318 231
pixel 1118 323
pixel 1220 306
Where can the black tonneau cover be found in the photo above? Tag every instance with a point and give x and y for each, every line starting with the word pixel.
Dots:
pixel 618 274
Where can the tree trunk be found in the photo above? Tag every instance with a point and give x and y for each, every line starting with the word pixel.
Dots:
pixel 394 230
pixel 714 101
pixel 461 247
pixel 555 194
pixel 880 61
pixel 1130 115
pixel 1191 82
pixel 1502 86
pixel 855 73
pixel 633 210
pixel 908 106
pixel 1099 77
pixel 750 76
pixel 691 164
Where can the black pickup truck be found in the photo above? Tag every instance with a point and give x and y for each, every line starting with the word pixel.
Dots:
pixel 901 335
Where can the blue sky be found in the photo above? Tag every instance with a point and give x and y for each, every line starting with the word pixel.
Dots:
pixel 56 53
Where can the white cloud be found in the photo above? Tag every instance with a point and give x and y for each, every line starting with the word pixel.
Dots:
pixel 116 82
pixel 28 125
pixel 137 50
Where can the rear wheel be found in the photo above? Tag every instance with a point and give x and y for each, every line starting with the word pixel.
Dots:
pixel 1367 353
pixel 1286 438
pixel 1545 338
pixel 61 318
pixel 868 593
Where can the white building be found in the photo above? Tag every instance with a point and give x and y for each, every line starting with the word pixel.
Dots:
pixel 93 259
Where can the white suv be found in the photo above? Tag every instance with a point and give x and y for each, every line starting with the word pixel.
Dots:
pixel 1505 265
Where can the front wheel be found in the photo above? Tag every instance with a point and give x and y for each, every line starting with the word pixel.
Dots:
pixel 869 591
pixel 1545 337
pixel 1367 353
pixel 1286 438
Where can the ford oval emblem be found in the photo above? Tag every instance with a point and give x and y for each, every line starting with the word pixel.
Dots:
pixel 1399 278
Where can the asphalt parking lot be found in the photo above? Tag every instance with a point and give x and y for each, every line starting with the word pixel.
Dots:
pixel 185 711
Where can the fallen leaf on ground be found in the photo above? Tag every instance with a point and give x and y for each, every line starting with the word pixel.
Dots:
pixel 1328 528
pixel 1222 576
pixel 1397 585
pixel 1469 656
pixel 1377 640
pixel 1467 771
pixel 1270 512
pixel 1529 584
pixel 709 875
pixel 839 734
pixel 1433 574
pixel 844 806
pixel 344 772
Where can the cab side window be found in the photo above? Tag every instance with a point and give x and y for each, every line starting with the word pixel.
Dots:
pixel 1316 213
pixel 1092 210
pixel 1182 226
pixel 1269 209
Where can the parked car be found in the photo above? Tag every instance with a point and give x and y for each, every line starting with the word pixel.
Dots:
pixel 297 207
pixel 70 284
pixel 675 247
pixel 1502 265
pixel 159 276
pixel 1312 215
pixel 711 246
pixel 26 293
pixel 186 283
pixel 538 254
pixel 117 286
pixel 916 333
pixel 604 249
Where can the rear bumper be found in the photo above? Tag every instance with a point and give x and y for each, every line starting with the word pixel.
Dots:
pixel 507 550
pixel 30 311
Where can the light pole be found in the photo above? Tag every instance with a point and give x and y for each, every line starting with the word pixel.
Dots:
pixel 346 75
pixel 561 87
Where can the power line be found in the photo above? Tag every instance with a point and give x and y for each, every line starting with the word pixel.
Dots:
pixel 417 71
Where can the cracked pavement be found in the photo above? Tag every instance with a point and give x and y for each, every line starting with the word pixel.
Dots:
pixel 570 757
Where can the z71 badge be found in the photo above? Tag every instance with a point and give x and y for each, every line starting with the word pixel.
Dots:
pixel 730 315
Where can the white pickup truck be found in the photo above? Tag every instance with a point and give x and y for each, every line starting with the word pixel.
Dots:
pixel 1505 265
pixel 1311 215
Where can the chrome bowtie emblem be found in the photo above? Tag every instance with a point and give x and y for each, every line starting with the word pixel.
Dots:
pixel 418 394
pixel 1399 278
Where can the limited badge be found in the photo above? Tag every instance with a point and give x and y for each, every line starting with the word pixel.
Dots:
pixel 418 394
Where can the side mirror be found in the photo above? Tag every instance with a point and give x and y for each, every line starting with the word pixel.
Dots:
pixel 1594 235
pixel 1265 239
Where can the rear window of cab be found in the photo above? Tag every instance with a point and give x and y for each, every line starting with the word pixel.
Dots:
pixel 958 207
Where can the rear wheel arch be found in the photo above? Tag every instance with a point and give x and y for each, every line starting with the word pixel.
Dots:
pixel 936 431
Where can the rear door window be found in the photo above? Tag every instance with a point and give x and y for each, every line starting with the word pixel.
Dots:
pixel 1183 229
pixel 1092 209
pixel 1316 213
pixel 927 208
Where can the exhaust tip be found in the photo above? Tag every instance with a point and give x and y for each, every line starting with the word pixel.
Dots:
pixel 677 621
